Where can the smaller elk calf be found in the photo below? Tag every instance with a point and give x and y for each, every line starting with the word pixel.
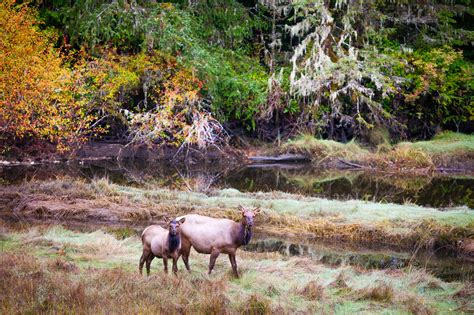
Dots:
pixel 161 243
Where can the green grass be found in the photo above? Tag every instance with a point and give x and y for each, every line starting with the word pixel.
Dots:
pixel 446 142
pixel 352 220
pixel 52 269
pixel 323 149
pixel 421 156
pixel 350 211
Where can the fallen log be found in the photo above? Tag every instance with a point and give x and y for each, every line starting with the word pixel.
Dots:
pixel 289 158
pixel 354 165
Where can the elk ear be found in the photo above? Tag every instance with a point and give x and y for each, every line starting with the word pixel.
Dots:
pixel 257 210
pixel 241 208
pixel 181 221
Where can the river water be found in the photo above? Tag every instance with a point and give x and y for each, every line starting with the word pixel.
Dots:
pixel 441 191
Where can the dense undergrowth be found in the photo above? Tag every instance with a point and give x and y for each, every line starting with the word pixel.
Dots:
pixel 58 270
pixel 195 73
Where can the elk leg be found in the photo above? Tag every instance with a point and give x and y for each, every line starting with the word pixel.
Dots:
pixel 185 249
pixel 165 263
pixel 212 261
pixel 175 264
pixel 142 261
pixel 233 262
pixel 148 263
pixel 186 261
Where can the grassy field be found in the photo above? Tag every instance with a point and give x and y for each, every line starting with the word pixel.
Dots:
pixel 352 221
pixel 47 269
pixel 446 150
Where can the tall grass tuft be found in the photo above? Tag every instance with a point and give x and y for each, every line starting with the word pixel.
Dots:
pixel 318 149
pixel 312 291
pixel 256 305
pixel 380 291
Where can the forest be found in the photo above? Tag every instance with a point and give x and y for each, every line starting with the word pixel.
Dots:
pixel 207 73
pixel 274 156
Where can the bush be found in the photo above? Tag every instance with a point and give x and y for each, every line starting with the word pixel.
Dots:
pixel 36 102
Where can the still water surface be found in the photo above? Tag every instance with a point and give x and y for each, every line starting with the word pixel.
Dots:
pixel 439 191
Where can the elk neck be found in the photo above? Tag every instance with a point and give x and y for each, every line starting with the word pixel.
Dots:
pixel 245 234
pixel 173 242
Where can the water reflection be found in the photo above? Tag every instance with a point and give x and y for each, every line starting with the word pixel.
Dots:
pixel 446 267
pixel 438 191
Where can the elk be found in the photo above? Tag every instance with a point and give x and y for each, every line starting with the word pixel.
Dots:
pixel 214 236
pixel 161 243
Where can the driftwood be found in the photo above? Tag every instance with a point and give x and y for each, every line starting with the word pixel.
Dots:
pixel 281 166
pixel 450 170
pixel 279 158
pixel 354 165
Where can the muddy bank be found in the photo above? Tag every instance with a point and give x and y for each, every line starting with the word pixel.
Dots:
pixel 357 222
pixel 119 151
pixel 450 153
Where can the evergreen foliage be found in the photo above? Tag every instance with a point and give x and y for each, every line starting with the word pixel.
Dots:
pixel 153 71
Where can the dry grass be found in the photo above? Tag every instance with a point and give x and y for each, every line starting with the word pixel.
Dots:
pixel 353 221
pixel 55 277
pixel 448 149
pixel 465 296
pixel 35 287
pixel 381 292
pixel 404 158
pixel 340 282
pixel 312 291
pixel 256 305
pixel 323 150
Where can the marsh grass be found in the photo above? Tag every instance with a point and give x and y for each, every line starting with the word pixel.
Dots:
pixel 46 277
pixel 447 142
pixel 420 157
pixel 381 292
pixel 312 291
pixel 320 150
pixel 349 221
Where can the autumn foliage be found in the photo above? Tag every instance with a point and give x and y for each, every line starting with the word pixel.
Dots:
pixel 37 98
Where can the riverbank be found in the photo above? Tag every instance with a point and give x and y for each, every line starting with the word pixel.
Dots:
pixel 51 269
pixel 446 152
pixel 352 221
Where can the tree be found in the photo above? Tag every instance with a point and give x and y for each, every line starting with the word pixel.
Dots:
pixel 359 64
pixel 36 98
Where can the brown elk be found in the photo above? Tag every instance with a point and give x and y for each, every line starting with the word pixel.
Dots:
pixel 161 243
pixel 214 236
